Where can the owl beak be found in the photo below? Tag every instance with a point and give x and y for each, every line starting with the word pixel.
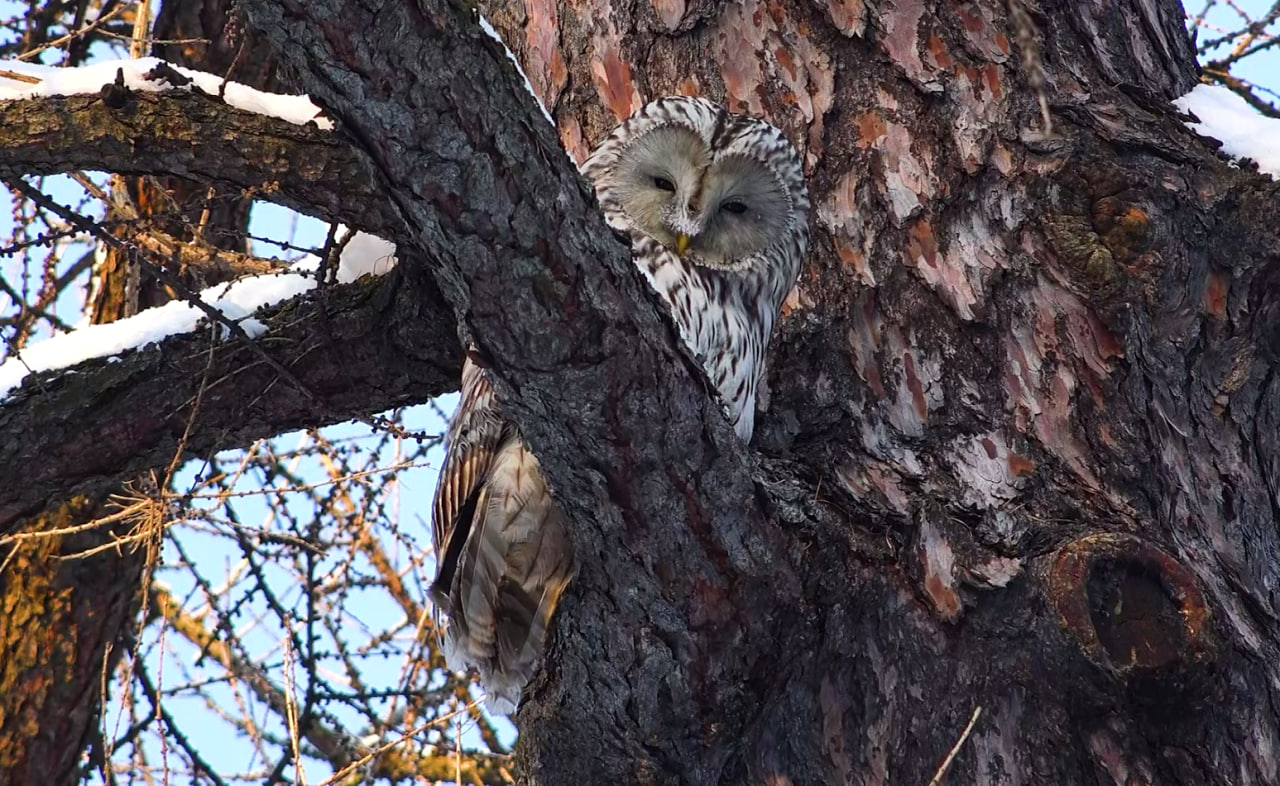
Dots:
pixel 682 244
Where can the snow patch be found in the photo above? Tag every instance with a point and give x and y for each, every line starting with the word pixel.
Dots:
pixel 366 254
pixel 1243 131
pixel 88 79
pixel 237 300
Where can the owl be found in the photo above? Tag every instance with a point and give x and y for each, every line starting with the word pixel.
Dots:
pixel 717 211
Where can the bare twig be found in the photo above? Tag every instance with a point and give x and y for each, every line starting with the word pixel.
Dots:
pixel 951 754
pixel 73 35
pixel 15 76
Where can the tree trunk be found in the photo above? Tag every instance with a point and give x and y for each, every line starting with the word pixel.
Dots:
pixel 1020 450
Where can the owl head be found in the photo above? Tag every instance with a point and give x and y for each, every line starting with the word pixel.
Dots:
pixel 723 191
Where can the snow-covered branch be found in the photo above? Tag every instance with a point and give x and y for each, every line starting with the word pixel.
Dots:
pixel 113 79
pixel 197 136
pixel 1243 131
pixel 355 349
pixel 237 301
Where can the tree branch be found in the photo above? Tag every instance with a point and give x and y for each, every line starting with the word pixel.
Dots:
pixel 196 136
pixel 193 135
pixel 358 349
pixel 117 418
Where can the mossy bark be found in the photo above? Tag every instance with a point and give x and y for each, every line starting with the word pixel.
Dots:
pixel 60 621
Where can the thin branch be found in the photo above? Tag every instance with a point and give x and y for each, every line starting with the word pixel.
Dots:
pixel 71 36
pixel 951 754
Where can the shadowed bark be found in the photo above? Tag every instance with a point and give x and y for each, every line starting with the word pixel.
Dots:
pixel 1019 451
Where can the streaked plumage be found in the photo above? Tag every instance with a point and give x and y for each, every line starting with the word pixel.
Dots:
pixel 718 213
pixel 726 289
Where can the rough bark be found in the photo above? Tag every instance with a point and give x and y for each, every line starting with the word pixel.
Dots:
pixel 59 623
pixel 1020 447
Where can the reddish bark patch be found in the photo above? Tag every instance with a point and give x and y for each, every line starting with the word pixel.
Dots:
pixel 938 55
pixel 1021 466
pixel 854 260
pixel 849 16
pixel 983 33
pixel 922 246
pixel 938 561
pixel 991 79
pixel 785 60
pixel 839 213
pixel 612 76
pixel 543 60
pixel 864 341
pixel 689 86
pixel 871 129
pixel 1215 294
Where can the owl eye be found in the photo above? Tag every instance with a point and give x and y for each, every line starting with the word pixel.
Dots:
pixel 737 208
pixel 664 184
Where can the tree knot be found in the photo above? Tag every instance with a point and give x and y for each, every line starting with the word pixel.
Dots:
pixel 1130 606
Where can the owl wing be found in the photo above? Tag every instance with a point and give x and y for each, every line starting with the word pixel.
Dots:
pixel 475 438
pixel 503 556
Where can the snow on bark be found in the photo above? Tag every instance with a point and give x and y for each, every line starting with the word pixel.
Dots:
pixel 492 33
pixel 150 74
pixel 238 301
pixel 1243 131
